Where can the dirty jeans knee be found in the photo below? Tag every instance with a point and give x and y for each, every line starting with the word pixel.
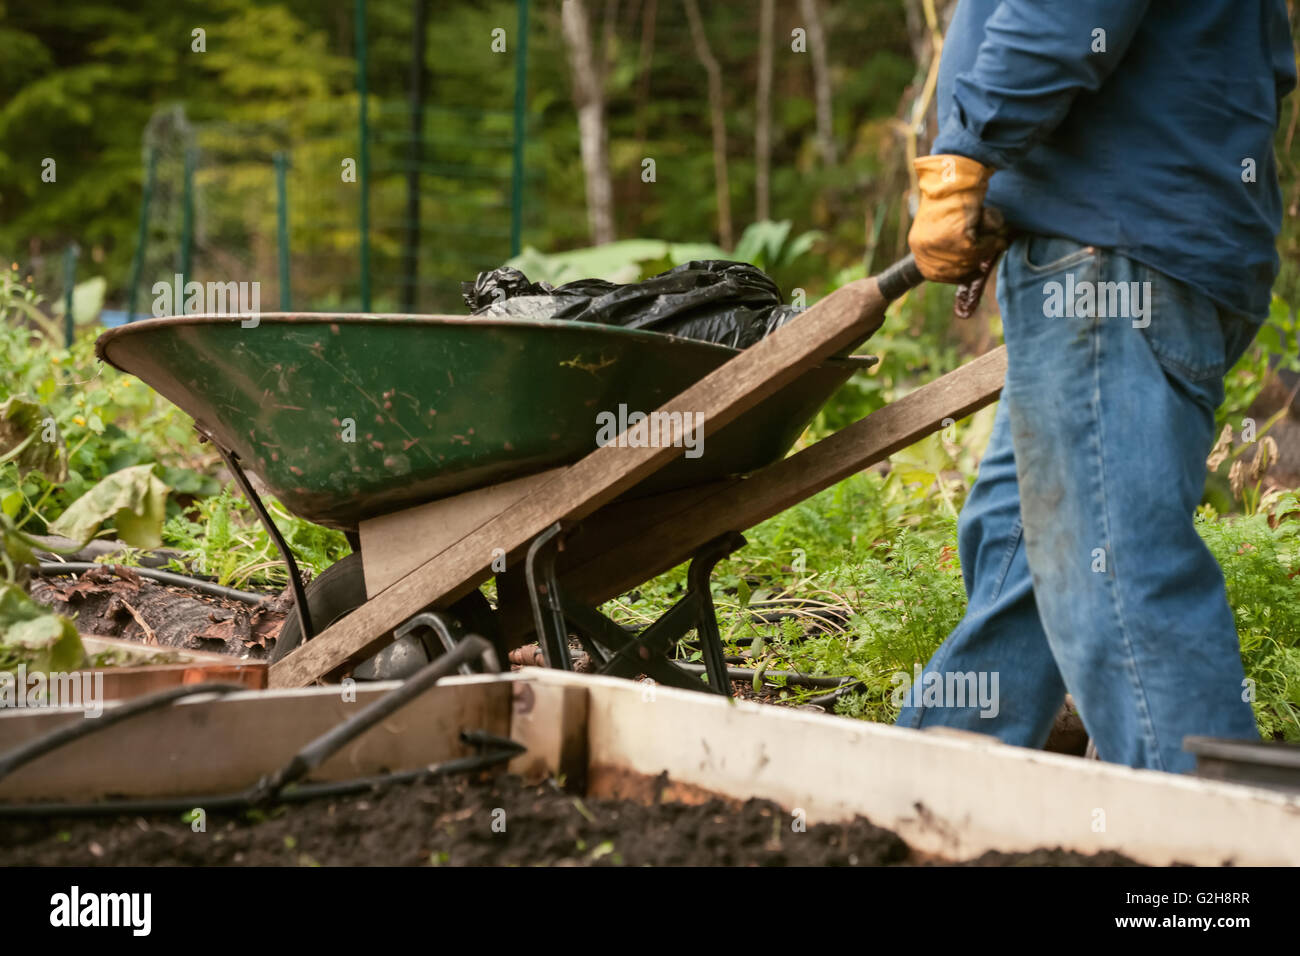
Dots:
pixel 998 650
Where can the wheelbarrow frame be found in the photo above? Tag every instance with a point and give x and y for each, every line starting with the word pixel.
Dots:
pixel 451 569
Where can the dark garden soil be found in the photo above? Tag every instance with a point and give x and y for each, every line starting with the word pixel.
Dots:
pixel 450 821
pixel 115 601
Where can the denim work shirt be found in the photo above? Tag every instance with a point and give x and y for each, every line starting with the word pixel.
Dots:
pixel 1143 126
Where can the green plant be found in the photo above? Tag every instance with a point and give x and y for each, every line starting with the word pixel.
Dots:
pixel 29 633
pixel 768 245
pixel 878 552
pixel 86 450
pixel 222 538
pixel 98 420
pixel 628 260
pixel 765 244
pixel 1260 557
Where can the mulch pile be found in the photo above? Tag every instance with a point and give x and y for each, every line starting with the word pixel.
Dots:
pixel 116 601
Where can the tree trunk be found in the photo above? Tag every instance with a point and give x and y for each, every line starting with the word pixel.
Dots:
pixel 718 116
pixel 645 58
pixel 608 34
pixel 821 81
pixel 589 98
pixel 649 14
pixel 763 122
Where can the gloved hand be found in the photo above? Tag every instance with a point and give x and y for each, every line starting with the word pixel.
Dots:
pixel 950 237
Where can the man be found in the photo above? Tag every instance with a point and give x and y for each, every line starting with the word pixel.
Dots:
pixel 1128 144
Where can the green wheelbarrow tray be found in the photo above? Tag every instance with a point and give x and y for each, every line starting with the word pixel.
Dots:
pixel 348 417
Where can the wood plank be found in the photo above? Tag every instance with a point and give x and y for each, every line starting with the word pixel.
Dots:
pixel 551 721
pixel 955 795
pixel 120 683
pixel 841 320
pixel 612 559
pixel 396 544
pixel 628 543
pixel 215 745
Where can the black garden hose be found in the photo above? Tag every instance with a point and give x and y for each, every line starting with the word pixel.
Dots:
pixel 791 677
pixel 828 700
pixel 55 568
pixel 319 750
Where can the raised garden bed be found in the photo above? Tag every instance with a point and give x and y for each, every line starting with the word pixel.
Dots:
pixel 499 821
pixel 636 758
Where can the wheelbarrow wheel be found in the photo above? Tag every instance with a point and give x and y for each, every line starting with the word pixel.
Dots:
pixel 341 588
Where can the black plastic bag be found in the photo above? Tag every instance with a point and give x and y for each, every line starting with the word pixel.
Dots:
pixel 730 303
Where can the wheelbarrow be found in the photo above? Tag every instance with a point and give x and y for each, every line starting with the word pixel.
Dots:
pixel 450 449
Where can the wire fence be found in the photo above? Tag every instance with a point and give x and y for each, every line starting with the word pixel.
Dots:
pixel 337 208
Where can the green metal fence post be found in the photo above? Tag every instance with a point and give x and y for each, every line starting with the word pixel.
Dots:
pixel 282 226
pixel 363 169
pixel 69 282
pixel 187 218
pixel 411 253
pixel 521 118
pixel 137 266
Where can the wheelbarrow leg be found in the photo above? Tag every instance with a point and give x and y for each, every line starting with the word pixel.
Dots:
pixel 613 649
pixel 622 653
pixel 706 618
pixel 648 650
pixel 295 576
pixel 544 596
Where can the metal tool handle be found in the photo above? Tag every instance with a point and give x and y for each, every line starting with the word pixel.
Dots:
pixel 899 278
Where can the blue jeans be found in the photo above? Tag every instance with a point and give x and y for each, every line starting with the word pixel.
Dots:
pixel 1082 566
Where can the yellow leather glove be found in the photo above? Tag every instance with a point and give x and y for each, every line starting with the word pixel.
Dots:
pixel 946 237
